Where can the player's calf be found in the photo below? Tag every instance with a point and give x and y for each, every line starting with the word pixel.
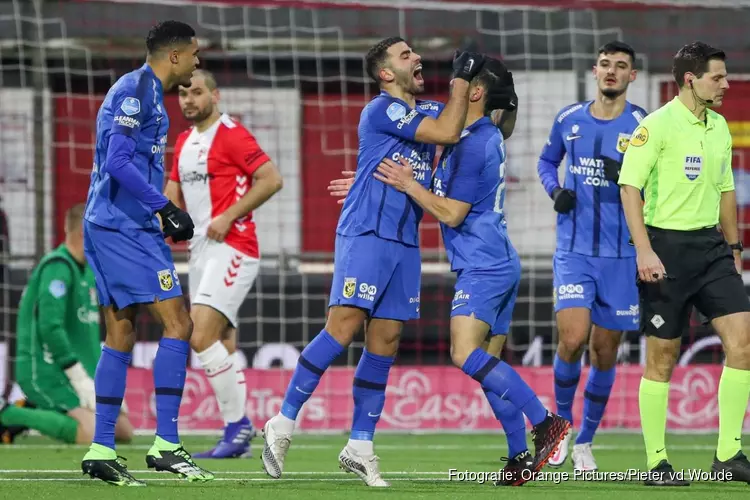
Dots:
pixel 344 323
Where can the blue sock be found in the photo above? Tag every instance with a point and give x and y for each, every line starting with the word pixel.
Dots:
pixel 512 421
pixel 500 378
pixel 598 388
pixel 109 383
pixel 312 363
pixel 370 381
pixel 170 369
pixel 566 383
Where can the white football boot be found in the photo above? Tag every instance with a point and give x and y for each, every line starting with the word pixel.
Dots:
pixel 366 467
pixel 583 458
pixel 275 448
pixel 560 455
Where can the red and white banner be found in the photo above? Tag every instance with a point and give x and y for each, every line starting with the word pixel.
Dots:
pixel 428 398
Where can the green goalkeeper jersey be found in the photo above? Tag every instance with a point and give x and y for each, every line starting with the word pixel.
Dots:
pixel 58 320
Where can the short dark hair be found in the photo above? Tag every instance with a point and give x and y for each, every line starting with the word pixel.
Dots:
pixel 694 58
pixel 377 55
pixel 617 46
pixel 168 33
pixel 491 73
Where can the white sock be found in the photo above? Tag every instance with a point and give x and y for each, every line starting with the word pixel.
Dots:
pixel 241 386
pixel 221 374
pixel 283 424
pixel 363 448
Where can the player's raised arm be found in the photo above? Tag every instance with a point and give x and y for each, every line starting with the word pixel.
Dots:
pixel 55 286
pixel 446 128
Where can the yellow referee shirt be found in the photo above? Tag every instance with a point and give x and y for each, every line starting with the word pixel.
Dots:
pixel 683 164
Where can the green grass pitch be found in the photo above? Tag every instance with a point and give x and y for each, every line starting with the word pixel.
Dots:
pixel 417 466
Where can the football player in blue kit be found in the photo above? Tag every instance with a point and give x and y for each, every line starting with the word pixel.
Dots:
pixel 594 264
pixel 124 245
pixel 467 198
pixel 377 263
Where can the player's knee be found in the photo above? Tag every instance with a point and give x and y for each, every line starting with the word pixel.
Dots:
pixel 344 322
pixel 202 338
pixel 661 357
pixel 180 326
pixel 603 348
pixel 570 346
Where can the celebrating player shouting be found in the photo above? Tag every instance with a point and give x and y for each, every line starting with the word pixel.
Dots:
pixel 220 175
pixel 377 259
pixel 124 245
pixel 594 264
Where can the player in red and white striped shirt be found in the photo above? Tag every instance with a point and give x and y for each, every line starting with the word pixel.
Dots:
pixel 220 175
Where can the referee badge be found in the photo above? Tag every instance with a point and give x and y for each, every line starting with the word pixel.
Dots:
pixel 622 142
pixel 640 137
pixel 350 285
pixel 693 167
pixel 165 280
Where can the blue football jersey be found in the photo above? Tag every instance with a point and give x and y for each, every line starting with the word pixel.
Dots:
pixel 134 107
pixel 597 226
pixel 473 171
pixel 387 127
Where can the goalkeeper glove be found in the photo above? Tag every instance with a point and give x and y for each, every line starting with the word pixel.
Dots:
pixel 176 223
pixel 467 65
pixel 502 95
pixel 611 169
pixel 565 200
pixel 83 385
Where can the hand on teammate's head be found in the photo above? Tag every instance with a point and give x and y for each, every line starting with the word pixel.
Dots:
pixel 501 95
pixel 467 65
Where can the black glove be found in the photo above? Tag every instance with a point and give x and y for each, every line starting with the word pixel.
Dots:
pixel 565 200
pixel 177 223
pixel 503 95
pixel 611 169
pixel 467 65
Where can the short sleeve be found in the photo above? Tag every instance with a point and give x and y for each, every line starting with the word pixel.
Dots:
pixel 174 174
pixel 391 117
pixel 727 180
pixel 245 151
pixel 642 154
pixel 468 162
pixel 129 111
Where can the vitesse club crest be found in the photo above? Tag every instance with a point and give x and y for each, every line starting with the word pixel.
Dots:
pixel 622 142
pixel 350 286
pixel 165 280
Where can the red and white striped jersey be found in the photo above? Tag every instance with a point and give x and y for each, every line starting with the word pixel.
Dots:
pixel 215 169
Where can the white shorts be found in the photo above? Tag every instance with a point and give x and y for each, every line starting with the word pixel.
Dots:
pixel 220 277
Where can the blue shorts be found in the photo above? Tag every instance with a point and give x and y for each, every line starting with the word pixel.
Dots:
pixel 381 276
pixel 604 285
pixel 490 294
pixel 131 266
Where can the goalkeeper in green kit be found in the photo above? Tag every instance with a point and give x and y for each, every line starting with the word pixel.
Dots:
pixel 59 344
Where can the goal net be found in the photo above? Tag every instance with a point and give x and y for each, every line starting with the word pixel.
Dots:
pixel 293 73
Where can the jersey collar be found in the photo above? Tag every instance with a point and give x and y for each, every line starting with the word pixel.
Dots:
pixel 149 71
pixel 485 120
pixel 683 111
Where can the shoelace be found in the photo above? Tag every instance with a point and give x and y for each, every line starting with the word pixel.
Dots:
pixel 183 454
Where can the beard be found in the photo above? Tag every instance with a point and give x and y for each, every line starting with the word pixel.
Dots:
pixel 405 80
pixel 200 114
pixel 613 93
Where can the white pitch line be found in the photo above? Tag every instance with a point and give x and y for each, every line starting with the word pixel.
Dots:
pixel 222 473
pixel 256 480
pixel 497 447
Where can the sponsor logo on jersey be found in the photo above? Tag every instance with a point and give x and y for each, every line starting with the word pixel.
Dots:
pixel 622 142
pixel 407 119
pixel 165 280
pixel 570 292
pixel 639 137
pixel 632 311
pixel 429 106
pixel 350 286
pixel 193 177
pixel 569 112
pixel 131 106
pixel 161 147
pixel 693 167
pixel 573 134
pixel 395 111
pixel 127 121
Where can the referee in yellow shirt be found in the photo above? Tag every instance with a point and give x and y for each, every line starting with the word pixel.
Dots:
pixel 681 156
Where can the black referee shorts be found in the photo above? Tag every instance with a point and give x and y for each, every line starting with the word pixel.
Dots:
pixel 700 272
